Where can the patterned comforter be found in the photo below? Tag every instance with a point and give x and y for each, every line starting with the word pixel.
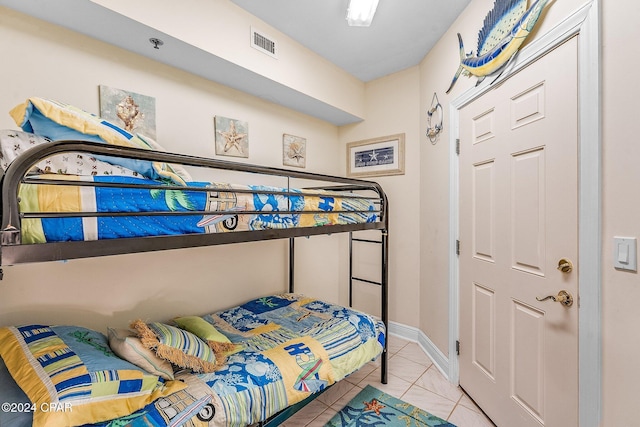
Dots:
pixel 292 347
pixel 272 209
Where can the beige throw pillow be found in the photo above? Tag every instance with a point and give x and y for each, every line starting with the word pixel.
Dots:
pixel 127 346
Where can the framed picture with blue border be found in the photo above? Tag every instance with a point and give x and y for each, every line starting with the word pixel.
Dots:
pixel 376 157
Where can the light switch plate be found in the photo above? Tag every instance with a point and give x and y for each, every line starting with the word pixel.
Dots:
pixel 625 254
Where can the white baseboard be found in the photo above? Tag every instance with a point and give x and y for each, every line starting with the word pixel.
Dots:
pixel 410 333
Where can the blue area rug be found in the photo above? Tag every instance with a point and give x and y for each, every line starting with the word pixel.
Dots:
pixel 372 407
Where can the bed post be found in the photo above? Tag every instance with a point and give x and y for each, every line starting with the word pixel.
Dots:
pixel 291 264
pixel 385 287
pixel 351 269
pixel 385 303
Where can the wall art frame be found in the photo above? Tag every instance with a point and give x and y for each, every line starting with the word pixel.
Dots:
pixel 376 156
pixel 134 112
pixel 294 151
pixel 231 137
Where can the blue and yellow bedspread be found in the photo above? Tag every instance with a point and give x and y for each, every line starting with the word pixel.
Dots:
pixel 292 347
pixel 226 202
pixel 288 348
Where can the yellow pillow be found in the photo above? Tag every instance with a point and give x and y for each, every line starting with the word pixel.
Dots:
pixel 198 326
pixel 73 378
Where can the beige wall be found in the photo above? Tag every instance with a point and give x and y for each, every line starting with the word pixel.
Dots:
pixel 621 211
pixel 392 107
pixel 56 63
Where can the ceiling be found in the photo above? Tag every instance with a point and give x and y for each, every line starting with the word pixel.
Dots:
pixel 402 32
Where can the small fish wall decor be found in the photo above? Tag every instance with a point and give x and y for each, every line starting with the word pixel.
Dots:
pixel 505 28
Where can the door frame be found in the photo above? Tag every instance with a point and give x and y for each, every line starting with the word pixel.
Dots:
pixel 584 23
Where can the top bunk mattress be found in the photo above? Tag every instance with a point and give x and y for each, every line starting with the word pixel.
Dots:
pixel 108 207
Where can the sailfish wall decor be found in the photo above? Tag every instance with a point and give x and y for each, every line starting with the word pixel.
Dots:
pixel 505 28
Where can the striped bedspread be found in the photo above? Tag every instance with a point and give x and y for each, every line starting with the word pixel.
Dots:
pixel 292 347
pixel 225 202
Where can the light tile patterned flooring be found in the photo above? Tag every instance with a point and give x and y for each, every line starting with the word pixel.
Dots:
pixel 412 377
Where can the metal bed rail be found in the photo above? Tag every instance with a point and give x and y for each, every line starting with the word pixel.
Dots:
pixel 17 174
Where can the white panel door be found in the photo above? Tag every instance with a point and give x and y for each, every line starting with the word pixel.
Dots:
pixel 518 219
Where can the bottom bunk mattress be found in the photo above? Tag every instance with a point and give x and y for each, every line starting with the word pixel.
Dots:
pixel 278 351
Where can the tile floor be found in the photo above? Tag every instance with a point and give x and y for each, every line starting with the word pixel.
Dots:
pixel 412 377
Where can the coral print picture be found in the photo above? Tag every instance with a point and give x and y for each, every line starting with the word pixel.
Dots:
pixel 132 111
pixel 232 137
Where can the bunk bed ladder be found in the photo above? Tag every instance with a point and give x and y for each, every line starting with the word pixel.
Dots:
pixel 384 288
pixel 383 283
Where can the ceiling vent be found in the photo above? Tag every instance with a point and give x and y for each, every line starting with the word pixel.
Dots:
pixel 263 43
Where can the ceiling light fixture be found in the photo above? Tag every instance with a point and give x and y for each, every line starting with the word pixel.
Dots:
pixel 360 12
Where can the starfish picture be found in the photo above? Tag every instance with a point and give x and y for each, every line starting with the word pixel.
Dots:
pixel 294 150
pixel 231 137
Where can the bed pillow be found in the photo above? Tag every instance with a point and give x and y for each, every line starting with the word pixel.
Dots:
pixel 73 378
pixel 58 121
pixel 14 397
pixel 177 169
pixel 13 143
pixel 180 347
pixel 181 406
pixel 127 346
pixel 204 330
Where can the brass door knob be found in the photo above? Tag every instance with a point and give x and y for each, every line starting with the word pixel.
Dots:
pixel 563 298
pixel 565 265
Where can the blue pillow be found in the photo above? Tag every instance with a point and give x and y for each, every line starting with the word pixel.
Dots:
pixel 58 121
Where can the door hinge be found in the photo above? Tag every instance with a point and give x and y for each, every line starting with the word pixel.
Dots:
pixel 458 146
pixel 458 348
pixel 457 247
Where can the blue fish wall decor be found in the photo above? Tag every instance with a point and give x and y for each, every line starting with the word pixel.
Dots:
pixel 505 28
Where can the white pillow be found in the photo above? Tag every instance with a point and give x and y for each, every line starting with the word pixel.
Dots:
pixel 128 346
pixel 13 143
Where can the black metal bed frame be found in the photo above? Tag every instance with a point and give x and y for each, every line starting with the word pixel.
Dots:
pixel 12 251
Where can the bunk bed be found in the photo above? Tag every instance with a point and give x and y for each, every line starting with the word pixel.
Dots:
pixel 223 214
